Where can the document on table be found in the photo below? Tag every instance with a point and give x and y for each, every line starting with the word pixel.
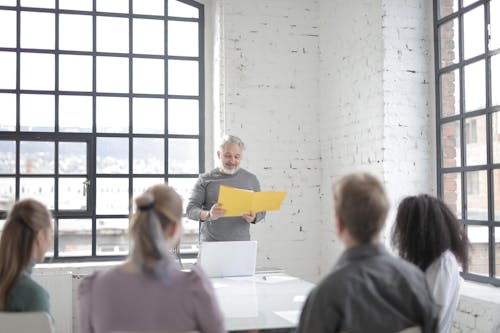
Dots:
pixel 291 316
pixel 238 201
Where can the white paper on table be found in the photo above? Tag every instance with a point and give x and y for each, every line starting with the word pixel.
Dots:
pixel 299 299
pixel 292 316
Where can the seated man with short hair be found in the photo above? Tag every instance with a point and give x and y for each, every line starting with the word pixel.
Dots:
pixel 369 290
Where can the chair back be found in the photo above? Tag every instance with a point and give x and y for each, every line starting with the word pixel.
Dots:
pixel 413 329
pixel 26 322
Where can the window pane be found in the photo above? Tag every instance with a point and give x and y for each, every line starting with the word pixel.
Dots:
pixel 183 38
pixel 115 6
pixel 448 42
pixel 149 115
pixel 474 32
pixel 495 134
pixel 112 237
pixel 112 155
pixel 8 2
pixel 112 74
pixel 76 5
pixel 72 158
pixel 72 67
pixel 475 138
pixel 495 79
pixel 38 3
pixel 149 76
pixel 149 36
pixel 468 2
pixel 179 9
pixel 75 32
pixel 75 113
pixel 112 34
pixel 183 116
pixel 7 157
pixel 72 195
pixel 8 118
pixel 450 144
pixel 183 77
pixel 183 156
pixel 8 26
pixel 37 30
pixel 112 114
pixel 475 86
pixel 450 93
pixel 478 255
pixel 140 185
pixel 36 157
pixel 8 70
pixel 37 71
pixel 112 196
pixel 151 7
pixel 183 186
pixel 7 193
pixel 494 24
pixel 497 252
pixel 477 195
pixel 149 156
pixel 75 237
pixel 452 192
pixel 37 113
pixel 496 194
pixel 41 189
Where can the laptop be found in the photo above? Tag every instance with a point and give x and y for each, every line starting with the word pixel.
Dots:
pixel 223 259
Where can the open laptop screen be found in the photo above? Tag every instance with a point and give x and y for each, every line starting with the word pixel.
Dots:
pixel 221 259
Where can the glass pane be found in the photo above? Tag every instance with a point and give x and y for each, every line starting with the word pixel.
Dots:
pixel 149 115
pixel 75 32
pixel 183 186
pixel 115 6
pixel 148 36
pixel 140 185
pixel 495 79
pixel 179 9
pixel 38 3
pixel 468 2
pixel 37 71
pixel 72 158
pixel 475 86
pixel 37 30
pixel 149 156
pixel 7 157
pixel 72 195
pixel 75 72
pixel 183 156
pixel 496 194
pixel 112 237
pixel 112 155
pixel 477 195
pixel 75 113
pixel 8 2
pixel 450 93
pixel 36 157
pixel 494 42
pixel 497 252
pixel 183 116
pixel 450 144
pixel 149 76
pixel 452 192
pixel 8 118
pixel 446 7
pixel 75 237
pixel 112 114
pixel 475 140
pixel 112 34
pixel 112 74
pixel 37 113
pixel 478 251
pixel 189 241
pixel 8 26
pixel 448 42
pixel 7 193
pixel 183 38
pixel 183 77
pixel 150 7
pixel 474 32
pixel 76 5
pixel 8 70
pixel 495 134
pixel 41 189
pixel 112 196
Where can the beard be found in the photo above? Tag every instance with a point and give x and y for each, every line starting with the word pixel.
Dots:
pixel 229 171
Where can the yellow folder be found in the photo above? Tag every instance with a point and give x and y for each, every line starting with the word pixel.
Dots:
pixel 237 201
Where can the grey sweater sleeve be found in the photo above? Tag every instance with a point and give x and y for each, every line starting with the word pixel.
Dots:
pixel 196 200
pixel 259 216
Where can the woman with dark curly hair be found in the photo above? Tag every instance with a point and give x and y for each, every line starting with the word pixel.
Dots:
pixel 428 234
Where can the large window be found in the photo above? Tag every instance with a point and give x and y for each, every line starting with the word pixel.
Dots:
pixel 99 99
pixel 467 48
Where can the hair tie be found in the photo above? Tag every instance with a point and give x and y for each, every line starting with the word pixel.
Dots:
pixel 147 207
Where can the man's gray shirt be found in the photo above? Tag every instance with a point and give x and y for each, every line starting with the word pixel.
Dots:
pixel 205 194
pixel 372 291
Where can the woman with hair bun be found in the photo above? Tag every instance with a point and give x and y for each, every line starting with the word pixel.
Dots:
pixel 149 292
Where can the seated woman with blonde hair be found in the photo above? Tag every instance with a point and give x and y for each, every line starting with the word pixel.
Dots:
pixel 149 292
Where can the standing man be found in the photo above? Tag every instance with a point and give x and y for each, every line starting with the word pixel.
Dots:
pixel 203 204
pixel 369 290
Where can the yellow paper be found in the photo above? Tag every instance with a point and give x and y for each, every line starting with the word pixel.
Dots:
pixel 237 201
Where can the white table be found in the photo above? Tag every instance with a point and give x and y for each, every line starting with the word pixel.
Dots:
pixel 263 301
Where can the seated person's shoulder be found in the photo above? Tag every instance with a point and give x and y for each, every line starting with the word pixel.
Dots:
pixel 28 295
